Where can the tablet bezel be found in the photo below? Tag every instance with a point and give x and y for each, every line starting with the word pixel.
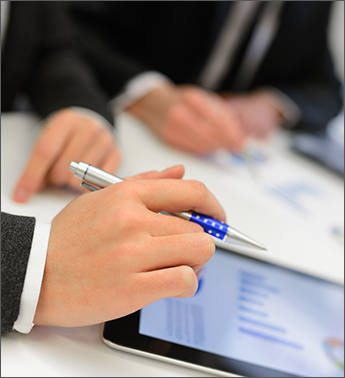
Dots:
pixel 123 334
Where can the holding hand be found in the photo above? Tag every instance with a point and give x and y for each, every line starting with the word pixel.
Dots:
pixel 110 253
pixel 189 118
pixel 67 136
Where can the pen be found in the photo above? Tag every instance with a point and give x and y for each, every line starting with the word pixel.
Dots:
pixel 94 178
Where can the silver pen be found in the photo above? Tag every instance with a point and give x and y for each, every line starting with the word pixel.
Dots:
pixel 94 178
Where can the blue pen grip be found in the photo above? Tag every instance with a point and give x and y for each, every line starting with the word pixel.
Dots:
pixel 211 226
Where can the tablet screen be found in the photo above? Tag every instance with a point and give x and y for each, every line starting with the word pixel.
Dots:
pixel 258 313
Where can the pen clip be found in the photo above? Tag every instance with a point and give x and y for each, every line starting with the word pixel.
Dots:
pixel 93 188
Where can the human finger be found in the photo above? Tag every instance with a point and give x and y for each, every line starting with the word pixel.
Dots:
pixel 159 225
pixel 170 282
pixel 230 125
pixel 78 142
pixel 264 132
pixel 98 149
pixel 178 195
pixel 187 130
pixel 193 249
pixel 112 160
pixel 174 172
pixel 48 147
pixel 225 124
pixel 108 162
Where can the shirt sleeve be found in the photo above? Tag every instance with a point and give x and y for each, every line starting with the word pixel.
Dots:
pixel 136 88
pixel 92 115
pixel 33 279
pixel 95 117
pixel 60 77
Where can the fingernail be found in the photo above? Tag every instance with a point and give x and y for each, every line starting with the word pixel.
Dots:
pixel 21 195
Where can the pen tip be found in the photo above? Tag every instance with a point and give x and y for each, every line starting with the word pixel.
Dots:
pixel 260 246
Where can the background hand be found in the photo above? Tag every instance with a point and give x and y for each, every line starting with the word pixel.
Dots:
pixel 257 111
pixel 110 253
pixel 189 118
pixel 67 136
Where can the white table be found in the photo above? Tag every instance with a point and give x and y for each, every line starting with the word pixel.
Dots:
pixel 292 239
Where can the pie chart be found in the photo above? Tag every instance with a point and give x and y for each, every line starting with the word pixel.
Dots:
pixel 334 348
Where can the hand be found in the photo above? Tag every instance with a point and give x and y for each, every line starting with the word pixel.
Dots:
pixel 110 253
pixel 259 112
pixel 189 118
pixel 66 137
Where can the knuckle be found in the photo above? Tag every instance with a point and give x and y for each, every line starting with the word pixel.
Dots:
pixel 123 191
pixel 196 228
pixel 191 94
pixel 129 218
pixel 199 188
pixel 177 113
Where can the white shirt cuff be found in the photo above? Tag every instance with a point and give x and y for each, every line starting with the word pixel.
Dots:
pixel 94 116
pixel 91 115
pixel 136 88
pixel 33 278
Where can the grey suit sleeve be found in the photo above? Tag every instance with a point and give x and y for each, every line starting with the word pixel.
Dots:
pixel 16 239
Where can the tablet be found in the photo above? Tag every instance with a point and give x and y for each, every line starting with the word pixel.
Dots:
pixel 248 317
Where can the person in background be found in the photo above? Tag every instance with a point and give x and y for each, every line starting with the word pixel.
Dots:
pixel 209 75
pixel 41 71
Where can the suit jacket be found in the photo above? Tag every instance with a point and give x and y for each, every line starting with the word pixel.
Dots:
pixel 39 59
pixel 16 238
pixel 122 39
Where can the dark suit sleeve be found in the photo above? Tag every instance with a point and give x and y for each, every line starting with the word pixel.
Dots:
pixel 16 238
pixel 61 78
pixel 318 96
pixel 300 65
pixel 112 67
pixel 100 39
pixel 121 39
